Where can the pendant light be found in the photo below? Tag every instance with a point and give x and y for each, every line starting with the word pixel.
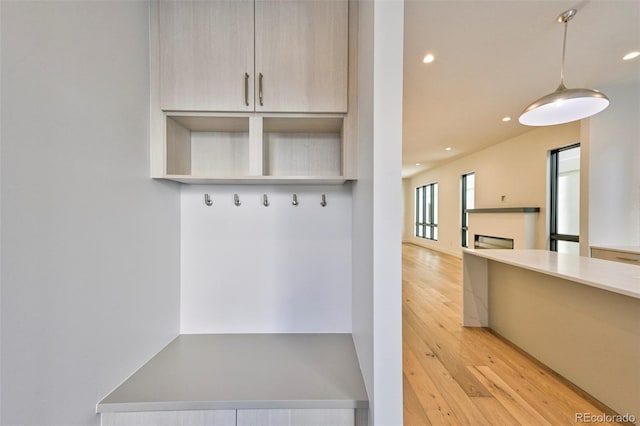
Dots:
pixel 564 105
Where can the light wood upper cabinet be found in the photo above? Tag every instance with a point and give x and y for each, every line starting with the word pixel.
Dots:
pixel 252 91
pixel 206 52
pixel 301 55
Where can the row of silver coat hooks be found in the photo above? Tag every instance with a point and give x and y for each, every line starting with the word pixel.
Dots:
pixel 265 200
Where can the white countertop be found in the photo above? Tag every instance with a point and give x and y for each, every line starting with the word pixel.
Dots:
pixel 612 276
pixel 254 371
pixel 622 249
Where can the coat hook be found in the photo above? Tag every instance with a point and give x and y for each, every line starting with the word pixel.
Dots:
pixel 323 203
pixel 236 199
pixel 265 200
pixel 207 200
pixel 295 200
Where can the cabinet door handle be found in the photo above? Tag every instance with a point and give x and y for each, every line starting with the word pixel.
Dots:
pixel 260 88
pixel 246 88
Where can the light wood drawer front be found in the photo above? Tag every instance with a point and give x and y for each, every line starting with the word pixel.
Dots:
pixel 616 256
pixel 297 417
pixel 265 417
pixel 170 418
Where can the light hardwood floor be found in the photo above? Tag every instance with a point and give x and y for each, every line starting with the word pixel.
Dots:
pixel 456 375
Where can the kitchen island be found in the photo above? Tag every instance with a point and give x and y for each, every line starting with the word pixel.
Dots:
pixel 579 316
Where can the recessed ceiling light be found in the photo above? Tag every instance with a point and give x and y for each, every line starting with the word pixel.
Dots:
pixel 505 119
pixel 448 148
pixel 428 58
pixel 417 164
pixel 631 55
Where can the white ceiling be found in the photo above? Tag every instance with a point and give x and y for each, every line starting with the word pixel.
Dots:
pixel 493 58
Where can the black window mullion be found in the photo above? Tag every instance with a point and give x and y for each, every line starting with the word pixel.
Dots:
pixel 565 237
pixel 432 209
pixel 417 212
pixel 553 202
pixel 424 211
pixel 463 236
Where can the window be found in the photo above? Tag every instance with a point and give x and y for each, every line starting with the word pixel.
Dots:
pixel 467 190
pixel 564 206
pixel 427 211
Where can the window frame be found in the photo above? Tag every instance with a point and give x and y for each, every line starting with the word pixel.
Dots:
pixel 554 236
pixel 428 223
pixel 464 219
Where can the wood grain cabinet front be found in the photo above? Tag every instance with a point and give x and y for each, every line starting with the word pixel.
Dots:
pixel 301 55
pixel 296 417
pixel 207 51
pixel 180 417
pixel 631 256
pixel 251 91
pixel 232 417
pixel 206 55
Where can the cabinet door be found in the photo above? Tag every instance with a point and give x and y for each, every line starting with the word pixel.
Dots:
pixel 170 418
pixel 296 417
pixel 301 52
pixel 206 52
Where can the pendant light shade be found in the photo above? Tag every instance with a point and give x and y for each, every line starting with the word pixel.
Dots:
pixel 564 105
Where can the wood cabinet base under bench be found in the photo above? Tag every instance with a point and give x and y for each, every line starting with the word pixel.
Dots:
pixel 276 417
pixel 244 379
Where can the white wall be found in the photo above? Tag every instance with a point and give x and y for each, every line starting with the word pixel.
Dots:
pixel 614 196
pixel 377 211
pixel 387 211
pixel 515 168
pixel 363 236
pixel 0 215
pixel 257 269
pixel 90 244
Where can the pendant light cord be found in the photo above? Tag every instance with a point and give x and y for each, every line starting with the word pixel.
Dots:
pixel 564 18
pixel 552 109
pixel 564 48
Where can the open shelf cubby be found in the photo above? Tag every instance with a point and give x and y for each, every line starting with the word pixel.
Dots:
pixel 207 146
pixel 252 148
pixel 302 146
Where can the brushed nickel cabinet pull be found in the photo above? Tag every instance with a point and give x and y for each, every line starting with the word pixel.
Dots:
pixel 246 88
pixel 260 88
